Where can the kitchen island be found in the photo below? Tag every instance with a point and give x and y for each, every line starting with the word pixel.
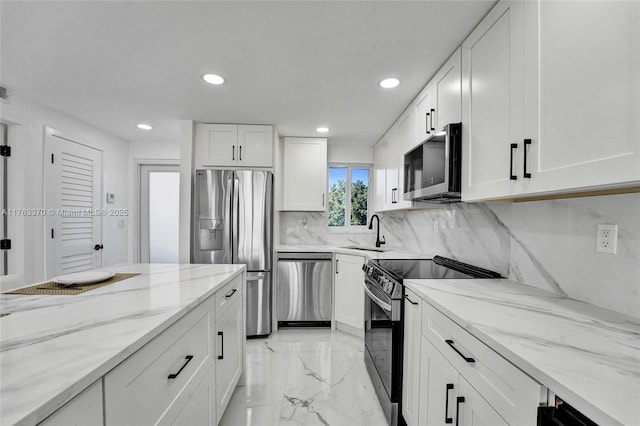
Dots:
pixel 54 347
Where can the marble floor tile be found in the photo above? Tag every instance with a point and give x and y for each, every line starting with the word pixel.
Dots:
pixel 309 376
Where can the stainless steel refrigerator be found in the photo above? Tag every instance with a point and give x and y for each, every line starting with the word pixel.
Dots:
pixel 232 222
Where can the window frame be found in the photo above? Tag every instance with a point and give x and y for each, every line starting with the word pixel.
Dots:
pixel 348 227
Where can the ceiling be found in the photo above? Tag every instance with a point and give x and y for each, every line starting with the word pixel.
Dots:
pixel 295 64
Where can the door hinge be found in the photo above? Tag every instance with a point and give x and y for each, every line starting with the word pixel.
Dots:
pixel 5 244
pixel 5 151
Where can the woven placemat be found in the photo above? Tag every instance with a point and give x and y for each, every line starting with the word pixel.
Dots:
pixel 55 289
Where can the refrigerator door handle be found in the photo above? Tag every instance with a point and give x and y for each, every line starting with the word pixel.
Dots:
pixel 235 220
pixel 228 238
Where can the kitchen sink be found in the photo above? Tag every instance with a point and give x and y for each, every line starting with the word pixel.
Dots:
pixel 379 250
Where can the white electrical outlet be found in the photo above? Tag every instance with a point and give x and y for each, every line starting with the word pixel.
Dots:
pixel 607 239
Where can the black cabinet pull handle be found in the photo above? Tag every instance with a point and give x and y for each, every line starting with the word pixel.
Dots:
pixel 233 153
pixel 393 196
pixel 511 175
pixel 221 334
pixel 526 174
pixel 188 359
pixel 459 400
pixel 433 112
pixel 426 123
pixel 337 266
pixel 98 247
pixel 240 152
pixel 406 296
pixel 447 419
pixel 231 292
pixel 450 343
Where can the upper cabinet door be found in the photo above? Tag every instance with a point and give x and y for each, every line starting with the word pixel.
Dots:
pixel 423 116
pixel 492 99
pixel 255 146
pixel 216 145
pixel 380 175
pixel 305 174
pixel 447 93
pixel 582 94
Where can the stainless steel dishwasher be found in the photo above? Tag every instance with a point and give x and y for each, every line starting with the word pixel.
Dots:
pixel 303 289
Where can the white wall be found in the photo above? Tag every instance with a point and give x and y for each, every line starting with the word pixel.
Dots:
pixel 26 186
pixel 359 154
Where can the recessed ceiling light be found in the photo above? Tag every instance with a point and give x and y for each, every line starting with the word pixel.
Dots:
pixel 214 79
pixel 144 126
pixel 389 83
pixel 322 129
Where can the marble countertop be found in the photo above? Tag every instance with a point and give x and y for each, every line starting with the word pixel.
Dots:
pixel 588 356
pixel 388 253
pixel 52 347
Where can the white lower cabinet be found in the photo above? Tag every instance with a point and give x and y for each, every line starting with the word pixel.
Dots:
pixel 187 373
pixel 83 410
pixel 461 380
pixel 200 409
pixel 411 358
pixel 349 294
pixel 230 337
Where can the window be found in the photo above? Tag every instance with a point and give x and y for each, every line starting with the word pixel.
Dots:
pixel 348 197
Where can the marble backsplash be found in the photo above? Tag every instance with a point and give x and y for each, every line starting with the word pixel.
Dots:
pixel 547 244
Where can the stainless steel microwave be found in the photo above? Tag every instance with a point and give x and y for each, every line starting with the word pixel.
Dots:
pixel 433 169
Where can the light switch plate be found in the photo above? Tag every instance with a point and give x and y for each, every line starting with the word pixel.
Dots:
pixel 607 238
pixel 111 198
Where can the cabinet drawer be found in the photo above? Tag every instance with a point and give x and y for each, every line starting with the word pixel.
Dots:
pixel 139 390
pixel 227 295
pixel 506 388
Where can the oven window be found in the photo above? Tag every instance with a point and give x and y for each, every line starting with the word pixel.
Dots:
pixel 379 341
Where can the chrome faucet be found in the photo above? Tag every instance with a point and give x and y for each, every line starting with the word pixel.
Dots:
pixel 378 241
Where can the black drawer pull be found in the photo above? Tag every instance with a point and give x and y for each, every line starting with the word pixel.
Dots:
pixel 433 112
pixel 526 174
pixel 459 400
pixel 447 419
pixel 511 175
pixel 406 296
pixel 450 343
pixel 188 359
pixel 426 122
pixel 221 334
pixel 231 292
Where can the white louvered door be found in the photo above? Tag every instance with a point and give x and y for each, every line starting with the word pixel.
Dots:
pixel 74 222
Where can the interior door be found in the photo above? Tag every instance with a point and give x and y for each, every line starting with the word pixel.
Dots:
pixel 159 206
pixel 73 202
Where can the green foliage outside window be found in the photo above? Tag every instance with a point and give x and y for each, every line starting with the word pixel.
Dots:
pixel 358 199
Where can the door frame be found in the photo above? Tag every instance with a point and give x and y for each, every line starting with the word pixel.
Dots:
pixel 139 229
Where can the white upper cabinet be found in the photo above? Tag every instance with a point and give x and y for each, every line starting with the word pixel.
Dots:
pixel 492 103
pixel 231 145
pixel 388 156
pixel 423 116
pixel 255 146
pixel 582 94
pixel 447 96
pixel 549 107
pixel 440 102
pixel 380 175
pixel 305 174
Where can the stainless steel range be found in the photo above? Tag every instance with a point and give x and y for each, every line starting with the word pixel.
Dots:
pixel 384 318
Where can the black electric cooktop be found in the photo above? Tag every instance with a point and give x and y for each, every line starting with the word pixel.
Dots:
pixel 438 267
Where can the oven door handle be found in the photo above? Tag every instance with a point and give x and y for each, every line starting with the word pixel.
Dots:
pixel 379 302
